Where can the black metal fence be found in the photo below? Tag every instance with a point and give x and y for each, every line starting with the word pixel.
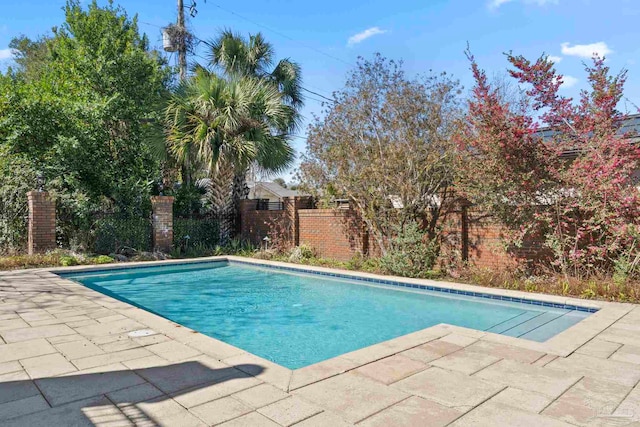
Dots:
pixel 190 232
pixel 268 205
pixel 113 234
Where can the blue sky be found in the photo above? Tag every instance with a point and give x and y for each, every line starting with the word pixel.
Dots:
pixel 327 37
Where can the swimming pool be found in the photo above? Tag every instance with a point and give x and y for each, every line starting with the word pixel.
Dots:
pixel 298 318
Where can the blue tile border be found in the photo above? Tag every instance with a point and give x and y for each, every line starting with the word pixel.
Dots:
pixel 423 287
pixel 349 277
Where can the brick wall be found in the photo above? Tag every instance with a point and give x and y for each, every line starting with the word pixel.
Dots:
pixel 42 222
pixel 333 233
pixel 338 234
pixel 162 223
pixel 473 236
pixel 255 225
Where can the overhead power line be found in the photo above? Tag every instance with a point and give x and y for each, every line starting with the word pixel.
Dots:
pixel 319 94
pixel 324 97
pixel 283 35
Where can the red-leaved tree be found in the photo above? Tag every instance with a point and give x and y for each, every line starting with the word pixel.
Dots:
pixel 563 169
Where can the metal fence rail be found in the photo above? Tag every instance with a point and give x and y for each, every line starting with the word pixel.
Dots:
pixel 267 205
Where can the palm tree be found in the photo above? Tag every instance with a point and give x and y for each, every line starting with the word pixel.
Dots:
pixel 236 56
pixel 225 124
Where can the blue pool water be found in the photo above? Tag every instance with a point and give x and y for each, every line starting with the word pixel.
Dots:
pixel 297 319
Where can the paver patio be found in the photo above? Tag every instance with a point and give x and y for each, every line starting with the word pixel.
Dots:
pixel 68 357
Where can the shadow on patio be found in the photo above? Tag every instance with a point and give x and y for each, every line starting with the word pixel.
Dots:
pixel 149 396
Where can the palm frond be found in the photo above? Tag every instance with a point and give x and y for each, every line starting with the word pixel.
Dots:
pixel 287 75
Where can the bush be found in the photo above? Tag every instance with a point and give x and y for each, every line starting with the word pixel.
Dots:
pixel 301 253
pixel 113 233
pixel 17 177
pixel 599 287
pixel 68 261
pixel 101 259
pixel 29 261
pixel 196 250
pixel 412 254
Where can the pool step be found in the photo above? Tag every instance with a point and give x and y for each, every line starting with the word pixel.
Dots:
pixel 559 324
pixel 532 324
pixel 514 321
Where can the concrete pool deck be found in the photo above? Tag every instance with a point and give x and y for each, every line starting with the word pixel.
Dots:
pixel 73 356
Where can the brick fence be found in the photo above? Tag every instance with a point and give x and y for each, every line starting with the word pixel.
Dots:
pixel 339 234
pixel 42 222
pixel 162 223
pixel 480 240
pixel 334 233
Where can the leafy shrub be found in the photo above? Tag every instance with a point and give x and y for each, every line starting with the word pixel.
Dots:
pixel 301 253
pixel 113 233
pixel 196 250
pixel 17 177
pixel 68 261
pixel 29 261
pixel 101 259
pixel 188 200
pixel 598 287
pixel 412 254
pixel 240 247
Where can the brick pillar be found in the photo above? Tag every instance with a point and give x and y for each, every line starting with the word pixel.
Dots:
pixel 291 207
pixel 464 232
pixel 42 222
pixel 162 223
pixel 246 207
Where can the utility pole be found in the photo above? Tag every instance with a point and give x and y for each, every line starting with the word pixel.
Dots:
pixel 182 46
pixel 182 67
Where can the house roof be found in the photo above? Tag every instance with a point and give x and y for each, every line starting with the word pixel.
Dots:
pixel 629 128
pixel 274 188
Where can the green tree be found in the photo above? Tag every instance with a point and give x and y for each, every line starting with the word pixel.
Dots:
pixel 78 108
pixel 385 144
pixel 252 58
pixel 229 123
pixel 244 66
pixel 235 55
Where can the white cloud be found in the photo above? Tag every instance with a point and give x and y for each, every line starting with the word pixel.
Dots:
pixel 568 81
pixel 6 54
pixel 369 32
pixel 554 59
pixel 585 50
pixel 494 4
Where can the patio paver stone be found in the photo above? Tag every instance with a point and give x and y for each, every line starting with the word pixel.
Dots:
pixel 448 388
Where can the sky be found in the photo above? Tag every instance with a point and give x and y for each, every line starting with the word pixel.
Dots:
pixel 326 38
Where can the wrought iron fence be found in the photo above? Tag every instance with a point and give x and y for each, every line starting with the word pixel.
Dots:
pixel 268 205
pixel 114 233
pixel 204 232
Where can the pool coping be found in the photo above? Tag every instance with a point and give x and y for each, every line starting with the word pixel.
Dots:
pixel 562 344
